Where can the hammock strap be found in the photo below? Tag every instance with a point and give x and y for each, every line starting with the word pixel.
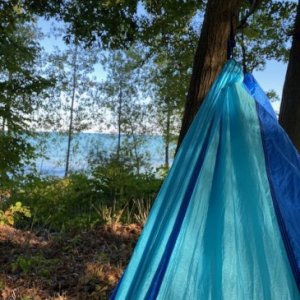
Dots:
pixel 231 40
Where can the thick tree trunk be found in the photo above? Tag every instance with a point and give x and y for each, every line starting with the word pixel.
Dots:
pixel 210 56
pixel 289 116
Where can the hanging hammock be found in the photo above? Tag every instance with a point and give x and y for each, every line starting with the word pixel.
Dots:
pixel 226 222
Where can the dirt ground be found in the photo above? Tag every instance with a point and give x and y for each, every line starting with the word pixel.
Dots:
pixel 65 266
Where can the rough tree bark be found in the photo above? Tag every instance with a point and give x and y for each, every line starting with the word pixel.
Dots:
pixel 210 56
pixel 289 116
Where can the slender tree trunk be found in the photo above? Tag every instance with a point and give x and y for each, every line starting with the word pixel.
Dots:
pixel 3 124
pixel 210 55
pixel 6 125
pixel 289 116
pixel 120 100
pixel 119 120
pixel 70 132
pixel 135 149
pixel 167 138
pixel 7 108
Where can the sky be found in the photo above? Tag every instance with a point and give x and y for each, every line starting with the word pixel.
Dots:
pixel 272 78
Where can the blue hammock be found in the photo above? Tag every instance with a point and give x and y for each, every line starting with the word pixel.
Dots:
pixel 225 224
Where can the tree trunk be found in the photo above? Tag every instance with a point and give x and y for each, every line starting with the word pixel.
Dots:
pixel 70 133
pixel 3 124
pixel 135 149
pixel 7 108
pixel 289 116
pixel 167 137
pixel 210 56
pixel 119 120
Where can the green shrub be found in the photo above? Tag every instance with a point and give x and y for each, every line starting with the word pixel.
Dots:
pixel 60 203
pixel 37 264
pixel 13 213
pixel 79 201
pixel 119 185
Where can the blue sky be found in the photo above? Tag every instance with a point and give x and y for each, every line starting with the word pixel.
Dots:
pixel 272 77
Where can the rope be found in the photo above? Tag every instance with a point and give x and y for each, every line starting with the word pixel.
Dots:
pixel 231 40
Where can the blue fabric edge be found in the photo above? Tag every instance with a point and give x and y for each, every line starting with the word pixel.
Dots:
pixel 261 111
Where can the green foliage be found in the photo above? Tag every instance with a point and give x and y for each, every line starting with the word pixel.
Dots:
pixel 273 96
pixel 119 182
pixel 37 264
pixel 16 153
pixel 81 202
pixel 14 213
pixel 172 24
pixel 116 24
pixel 23 264
pixel 21 90
pixel 266 35
pixel 58 203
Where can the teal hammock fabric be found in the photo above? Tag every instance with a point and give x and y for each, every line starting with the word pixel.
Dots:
pixel 214 230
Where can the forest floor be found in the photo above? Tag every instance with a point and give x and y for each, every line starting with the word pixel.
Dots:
pixel 84 265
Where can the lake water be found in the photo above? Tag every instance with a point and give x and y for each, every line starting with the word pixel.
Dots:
pixel 53 146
